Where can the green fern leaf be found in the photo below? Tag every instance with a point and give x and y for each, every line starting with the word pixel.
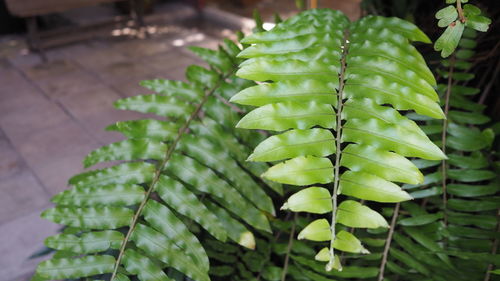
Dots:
pixel 349 80
pixel 143 213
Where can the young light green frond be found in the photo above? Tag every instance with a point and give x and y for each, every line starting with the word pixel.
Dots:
pixel 302 170
pixel 289 115
pixel 318 230
pixel 370 187
pixel 352 213
pixel 384 164
pixel 314 200
pixel 293 143
pixel 335 89
pixel 299 90
pixel 347 242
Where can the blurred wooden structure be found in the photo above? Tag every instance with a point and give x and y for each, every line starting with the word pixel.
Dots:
pixel 30 9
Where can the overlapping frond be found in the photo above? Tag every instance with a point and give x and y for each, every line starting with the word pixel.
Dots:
pixel 185 168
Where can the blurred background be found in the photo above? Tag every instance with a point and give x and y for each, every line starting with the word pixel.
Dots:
pixel 64 62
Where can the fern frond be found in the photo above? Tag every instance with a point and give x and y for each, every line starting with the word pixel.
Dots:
pixel 323 76
pixel 137 217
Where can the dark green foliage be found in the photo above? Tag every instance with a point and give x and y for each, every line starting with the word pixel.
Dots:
pixel 453 235
pixel 183 169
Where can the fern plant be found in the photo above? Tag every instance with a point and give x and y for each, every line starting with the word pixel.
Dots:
pixel 137 217
pixel 453 231
pixel 339 86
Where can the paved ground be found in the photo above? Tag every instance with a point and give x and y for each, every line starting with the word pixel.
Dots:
pixel 53 114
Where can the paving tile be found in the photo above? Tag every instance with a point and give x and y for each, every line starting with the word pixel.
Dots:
pixel 73 82
pixel 25 60
pixel 25 277
pixel 52 68
pixel 20 194
pixel 97 57
pixel 55 154
pixel 11 80
pixel 29 114
pixel 95 111
pixel 20 239
pixel 10 163
pixel 72 51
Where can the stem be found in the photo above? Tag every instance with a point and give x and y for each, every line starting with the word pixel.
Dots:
pixel 289 249
pixel 156 178
pixel 388 243
pixel 460 11
pixel 493 250
pixel 338 140
pixel 443 136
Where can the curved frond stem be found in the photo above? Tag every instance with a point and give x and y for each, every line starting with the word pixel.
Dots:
pixel 388 242
pixel 494 250
pixel 289 248
pixel 444 134
pixel 338 139
pixel 156 178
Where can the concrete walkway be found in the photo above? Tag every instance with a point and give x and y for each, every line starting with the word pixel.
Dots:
pixel 53 114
